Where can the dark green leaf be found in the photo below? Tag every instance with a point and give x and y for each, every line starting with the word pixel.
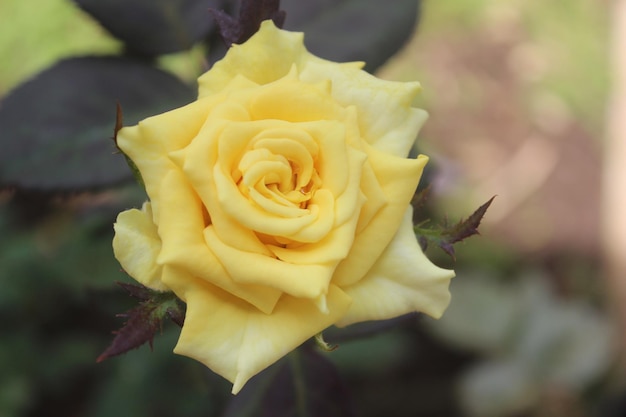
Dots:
pixel 57 128
pixel 143 322
pixel 154 27
pixel 353 30
pixel 304 384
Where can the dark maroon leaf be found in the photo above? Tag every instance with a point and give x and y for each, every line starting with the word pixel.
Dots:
pixel 143 321
pixel 251 14
pixel 137 291
pixel 140 328
pixel 303 384
pixel 419 200
pixel 228 26
pixel 343 30
pixel 446 236
pixel 56 128
pixel 468 227
pixel 154 27
pixel 119 121
pixel 353 30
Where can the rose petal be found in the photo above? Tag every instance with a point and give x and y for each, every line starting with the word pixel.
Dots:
pixel 401 281
pixel 184 246
pixel 398 178
pixel 136 246
pixel 148 142
pixel 238 341
pixel 267 56
pixel 300 280
pixel 393 130
pixel 307 102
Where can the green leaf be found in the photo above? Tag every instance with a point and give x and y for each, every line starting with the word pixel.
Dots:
pixel 144 320
pixel 304 384
pixel 154 27
pixel 57 128
pixel 353 30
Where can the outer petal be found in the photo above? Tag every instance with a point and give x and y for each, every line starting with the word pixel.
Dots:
pixel 267 56
pixel 393 130
pixel 238 341
pixel 403 280
pixel 136 245
pixel 148 143
pixel 398 179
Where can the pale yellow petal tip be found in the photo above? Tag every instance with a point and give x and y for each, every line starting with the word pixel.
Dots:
pixel 126 136
pixel 423 158
pixel 269 28
pixel 240 381
pixel 438 306
pixel 353 65
pixel 410 91
pixel 321 303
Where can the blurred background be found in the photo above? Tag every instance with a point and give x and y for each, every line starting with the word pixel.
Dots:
pixel 524 99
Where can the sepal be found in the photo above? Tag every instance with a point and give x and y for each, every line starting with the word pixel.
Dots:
pixel 143 321
pixel 446 236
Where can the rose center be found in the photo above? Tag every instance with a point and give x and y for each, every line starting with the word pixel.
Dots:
pixel 278 182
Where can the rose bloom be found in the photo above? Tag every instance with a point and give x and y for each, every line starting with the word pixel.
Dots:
pixel 279 204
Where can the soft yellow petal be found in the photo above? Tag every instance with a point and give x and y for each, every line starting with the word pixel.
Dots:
pixel 209 163
pixel 136 246
pixel 307 102
pixel 398 179
pixel 304 280
pixel 330 250
pixel 374 195
pixel 198 160
pixel 401 281
pixel 267 56
pixel 386 118
pixel 149 142
pixel 184 247
pixel 238 341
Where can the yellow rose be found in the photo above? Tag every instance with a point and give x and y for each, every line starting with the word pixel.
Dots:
pixel 279 205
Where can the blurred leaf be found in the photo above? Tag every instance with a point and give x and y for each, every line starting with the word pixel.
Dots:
pixel 56 128
pixel 497 388
pixel 157 384
pixel 483 317
pixel 154 27
pixel 564 343
pixel 353 30
pixel 392 350
pixel 143 322
pixel 303 384
pixel 532 340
